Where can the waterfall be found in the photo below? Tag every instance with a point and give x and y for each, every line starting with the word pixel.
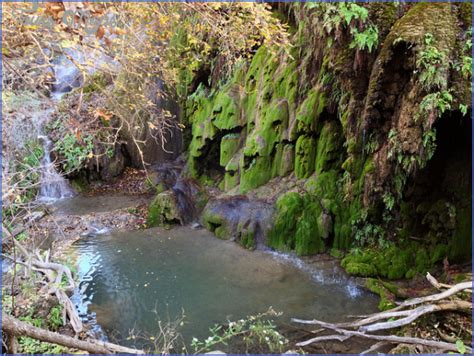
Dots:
pixel 53 186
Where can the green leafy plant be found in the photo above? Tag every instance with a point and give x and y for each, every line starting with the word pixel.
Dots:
pixel 432 64
pixel 464 63
pixel 55 317
pixel 389 200
pixel 429 143
pixel 463 108
pixel 27 345
pixel 435 104
pixel 255 330
pixel 367 39
pixel 351 15
pixel 74 151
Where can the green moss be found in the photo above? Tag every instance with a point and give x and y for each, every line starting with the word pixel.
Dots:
pixel 269 130
pixel 215 223
pixel 360 269
pixel 393 262
pixel 247 237
pixel 163 210
pixel 439 253
pixel 203 130
pixel 226 111
pixel 298 225
pixel 309 111
pixel 229 146
pixel 305 154
pixel 329 148
pixel 308 239
pixel 323 185
pixel 256 173
pixel 336 253
pixel 289 208
pixel 387 298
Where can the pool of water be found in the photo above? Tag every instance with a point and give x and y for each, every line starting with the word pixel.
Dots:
pixel 129 280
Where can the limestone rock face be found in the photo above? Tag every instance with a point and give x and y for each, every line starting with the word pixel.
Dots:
pixel 375 152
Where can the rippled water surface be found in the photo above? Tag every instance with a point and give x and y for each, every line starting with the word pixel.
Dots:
pixel 127 277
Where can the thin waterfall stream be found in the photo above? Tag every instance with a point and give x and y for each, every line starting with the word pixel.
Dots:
pixel 53 185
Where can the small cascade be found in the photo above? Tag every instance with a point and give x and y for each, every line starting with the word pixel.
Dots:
pixel 53 185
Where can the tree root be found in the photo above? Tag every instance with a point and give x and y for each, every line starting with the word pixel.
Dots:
pixel 384 320
pixel 54 273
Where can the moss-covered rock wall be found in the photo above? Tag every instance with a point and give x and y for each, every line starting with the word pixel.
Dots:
pixel 356 122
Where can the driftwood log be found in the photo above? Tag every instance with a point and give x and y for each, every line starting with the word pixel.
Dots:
pixel 404 314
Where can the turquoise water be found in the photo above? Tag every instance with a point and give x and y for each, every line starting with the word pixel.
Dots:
pixel 129 280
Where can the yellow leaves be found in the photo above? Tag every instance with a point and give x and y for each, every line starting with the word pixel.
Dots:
pixel 119 31
pixel 90 155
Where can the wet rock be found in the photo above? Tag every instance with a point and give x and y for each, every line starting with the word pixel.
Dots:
pixel 239 218
pixel 178 199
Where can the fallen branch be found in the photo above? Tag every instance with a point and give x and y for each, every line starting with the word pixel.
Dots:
pixel 16 327
pixel 435 297
pixel 459 305
pixel 434 282
pixel 387 338
pixel 384 320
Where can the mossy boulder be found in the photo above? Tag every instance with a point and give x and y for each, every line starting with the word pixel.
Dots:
pixel 225 110
pixel 163 210
pixel 299 225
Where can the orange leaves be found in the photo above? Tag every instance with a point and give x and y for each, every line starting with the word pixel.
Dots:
pixel 55 9
pixel 102 114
